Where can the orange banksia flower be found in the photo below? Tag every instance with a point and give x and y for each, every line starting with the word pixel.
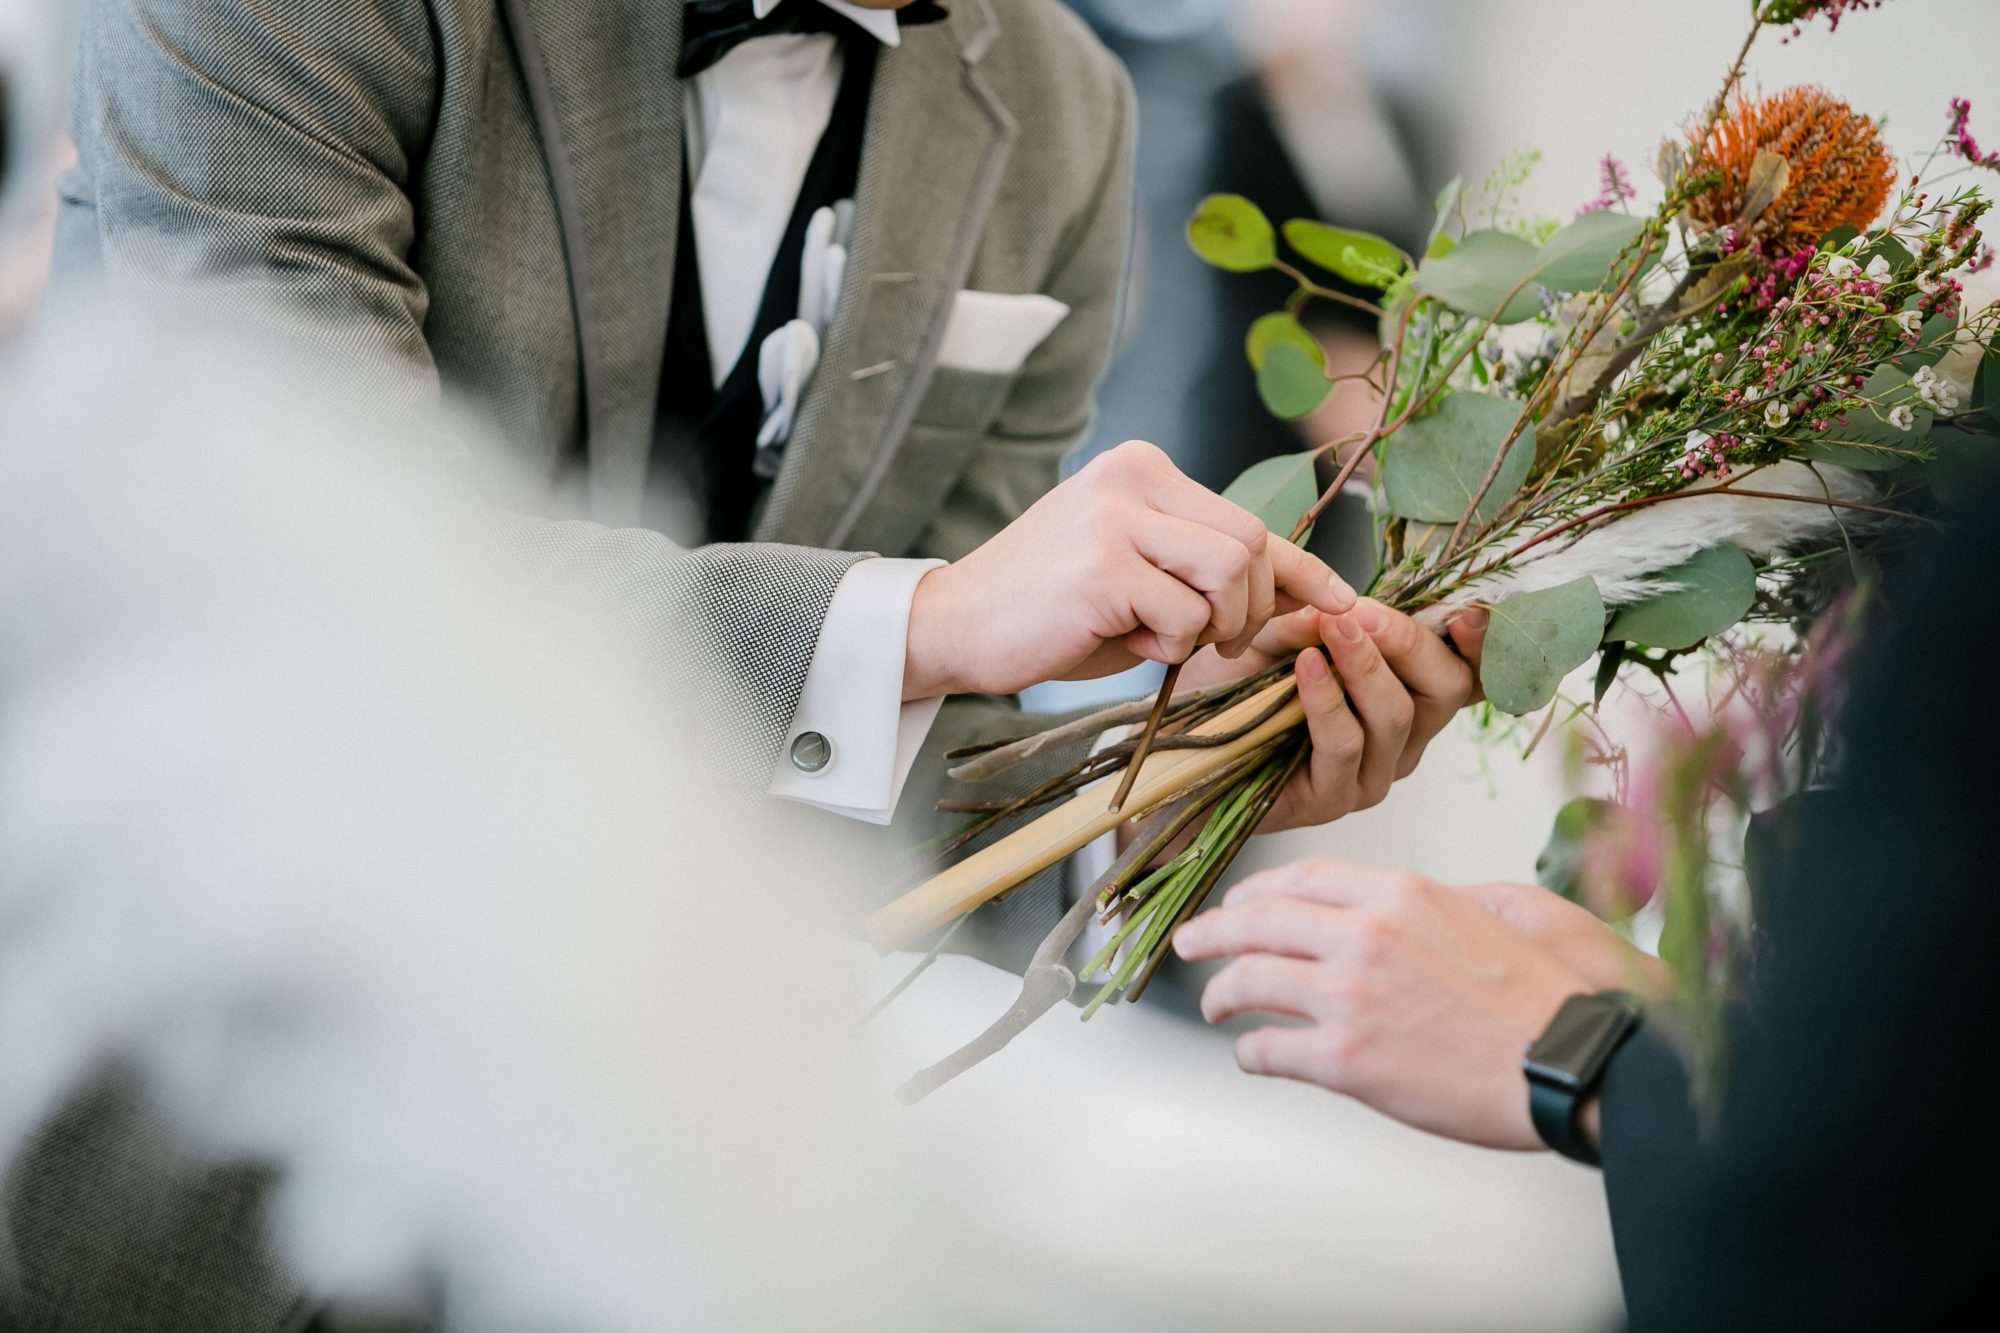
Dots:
pixel 1839 171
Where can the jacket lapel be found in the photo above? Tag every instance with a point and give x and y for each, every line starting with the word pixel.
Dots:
pixel 937 142
pixel 600 77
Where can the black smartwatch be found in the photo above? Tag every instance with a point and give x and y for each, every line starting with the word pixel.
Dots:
pixel 1566 1063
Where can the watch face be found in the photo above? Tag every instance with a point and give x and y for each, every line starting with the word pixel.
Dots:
pixel 1579 1039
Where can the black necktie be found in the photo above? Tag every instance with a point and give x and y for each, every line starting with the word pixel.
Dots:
pixel 714 28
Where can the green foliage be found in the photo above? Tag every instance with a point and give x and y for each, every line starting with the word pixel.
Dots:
pixel 1449 200
pixel 1716 588
pixel 1434 465
pixel 1232 233
pixel 1579 258
pixel 1486 275
pixel 1496 275
pixel 1361 258
pixel 1280 326
pixel 1278 490
pixel 1933 341
pixel 1291 382
pixel 1537 638
pixel 1558 868
pixel 1869 442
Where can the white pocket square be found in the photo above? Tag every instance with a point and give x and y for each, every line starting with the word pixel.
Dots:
pixel 993 333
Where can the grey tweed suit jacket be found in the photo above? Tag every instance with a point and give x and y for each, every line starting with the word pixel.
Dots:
pixel 480 198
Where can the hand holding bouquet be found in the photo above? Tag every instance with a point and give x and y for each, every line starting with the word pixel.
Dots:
pixel 1619 436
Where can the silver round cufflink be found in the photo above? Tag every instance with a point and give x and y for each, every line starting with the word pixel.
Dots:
pixel 811 752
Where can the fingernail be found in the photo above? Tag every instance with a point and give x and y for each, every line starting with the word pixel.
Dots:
pixel 1311 666
pixel 1347 628
pixel 1372 617
pixel 1342 591
pixel 1476 618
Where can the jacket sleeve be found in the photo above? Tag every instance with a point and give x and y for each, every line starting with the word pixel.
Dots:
pixel 258 159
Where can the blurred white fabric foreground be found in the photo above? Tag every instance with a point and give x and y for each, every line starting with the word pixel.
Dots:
pixel 386 874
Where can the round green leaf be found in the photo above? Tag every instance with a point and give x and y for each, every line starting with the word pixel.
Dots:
pixel 1433 466
pixel 1559 868
pixel 1480 275
pixel 1537 638
pixel 1481 272
pixel 1933 341
pixel 1231 232
pixel 1712 592
pixel 1278 490
pixel 1579 257
pixel 1869 442
pixel 1357 256
pixel 1291 382
pixel 1280 326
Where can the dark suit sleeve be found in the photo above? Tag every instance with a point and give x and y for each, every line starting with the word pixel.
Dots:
pixel 1850 1175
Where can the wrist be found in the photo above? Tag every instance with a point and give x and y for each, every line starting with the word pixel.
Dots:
pixel 929 671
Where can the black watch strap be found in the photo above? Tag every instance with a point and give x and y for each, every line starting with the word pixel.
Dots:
pixel 1557 1113
pixel 1565 1066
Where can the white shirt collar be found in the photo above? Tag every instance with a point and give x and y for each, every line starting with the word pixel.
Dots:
pixel 878 23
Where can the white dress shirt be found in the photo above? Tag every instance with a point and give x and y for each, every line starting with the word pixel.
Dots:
pixel 754 119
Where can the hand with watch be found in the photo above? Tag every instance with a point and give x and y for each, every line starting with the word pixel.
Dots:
pixel 1420 998
pixel 1565 1067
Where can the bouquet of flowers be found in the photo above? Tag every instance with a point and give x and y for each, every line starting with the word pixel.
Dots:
pixel 1623 435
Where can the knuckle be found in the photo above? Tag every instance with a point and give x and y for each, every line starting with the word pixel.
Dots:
pixel 1399 713
pixel 1141 455
pixel 1371 938
pixel 1253 1051
pixel 1341 1052
pixel 1347 743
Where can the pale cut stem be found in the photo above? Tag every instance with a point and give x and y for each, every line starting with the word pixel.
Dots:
pixel 1035 846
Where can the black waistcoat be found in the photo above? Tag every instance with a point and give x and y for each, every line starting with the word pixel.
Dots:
pixel 705 438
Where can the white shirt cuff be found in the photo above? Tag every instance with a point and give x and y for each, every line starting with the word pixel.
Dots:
pixel 853 699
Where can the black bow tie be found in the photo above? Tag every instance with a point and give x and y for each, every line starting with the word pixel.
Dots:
pixel 714 28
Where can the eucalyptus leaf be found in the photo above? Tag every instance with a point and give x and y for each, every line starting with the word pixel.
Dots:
pixel 1232 233
pixel 1359 257
pixel 1433 466
pixel 1291 382
pixel 1579 257
pixel 1280 326
pixel 1559 868
pixel 1716 588
pixel 1535 639
pixel 1965 469
pixel 1278 490
pixel 1933 341
pixel 1986 384
pixel 1447 204
pixel 1488 275
pixel 1870 442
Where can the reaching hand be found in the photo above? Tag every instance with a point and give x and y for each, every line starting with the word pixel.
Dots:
pixel 1420 999
pixel 1403 684
pixel 1127 560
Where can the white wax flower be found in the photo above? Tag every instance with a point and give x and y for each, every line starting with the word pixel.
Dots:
pixel 1878 269
pixel 1903 417
pixel 1911 322
pixel 1776 414
pixel 1840 266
